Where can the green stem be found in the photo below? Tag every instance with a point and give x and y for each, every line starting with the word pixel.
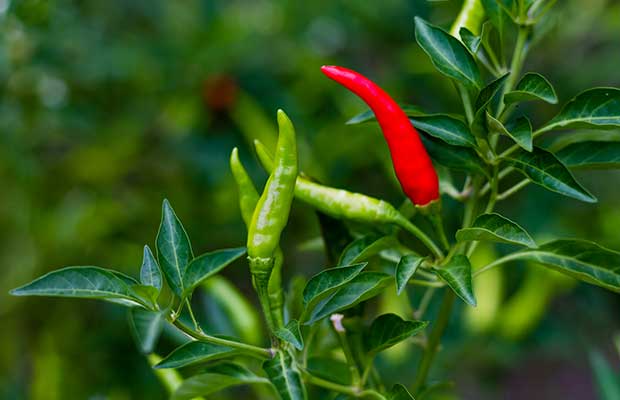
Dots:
pixel 415 231
pixel 516 63
pixel 494 188
pixel 466 99
pixel 260 352
pixel 336 387
pixel 496 263
pixel 348 355
pixel 513 190
pixel 433 341
pixel 191 314
pixel 420 282
pixel 424 303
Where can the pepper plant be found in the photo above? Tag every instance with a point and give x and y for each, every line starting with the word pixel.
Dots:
pixel 323 334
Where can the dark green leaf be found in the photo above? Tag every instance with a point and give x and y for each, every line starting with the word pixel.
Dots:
pixel 146 326
pixel 457 274
pixel 496 14
pixel 399 392
pixel 194 353
pixel 405 269
pixel 84 282
pixel 606 379
pixel 532 86
pixel 207 265
pixel 495 228
pixel 591 154
pixel 150 274
pixel 216 379
pixel 173 248
pixel 285 377
pixel 363 248
pixel 446 128
pixel 488 92
pixel 544 169
pixel 447 54
pixel 598 108
pixel 455 157
pixel 521 133
pixel 389 329
pixel 359 289
pixel 470 40
pixel 369 116
pixel 330 369
pixel 291 334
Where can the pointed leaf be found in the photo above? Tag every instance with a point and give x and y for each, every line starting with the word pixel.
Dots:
pixel 291 334
pixel 521 133
pixel 446 128
pixel 84 282
pixel 285 377
pixel 532 86
pixel 146 326
pixel 173 248
pixel 194 353
pixel 207 265
pixel 390 329
pixel 495 228
pixel 363 248
pixel 488 92
pixel 544 169
pixel 150 274
pixel 447 54
pixel 369 115
pixel 594 108
pixel 457 274
pixel 405 269
pixel 471 41
pixel 326 282
pixel 359 289
pixel 591 154
pixel 455 157
pixel 399 392
pixel 331 369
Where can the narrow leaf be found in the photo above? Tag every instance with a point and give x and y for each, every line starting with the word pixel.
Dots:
pixel 405 269
pixel 369 115
pixel 489 91
pixel 532 86
pixel 521 133
pixel 544 169
pixel 173 248
pixel 591 154
pixel 327 281
pixel 399 392
pixel 150 274
pixel 285 377
pixel 594 108
pixel 207 265
pixel 363 248
pixel 146 326
pixel 291 334
pixel 457 274
pixel 446 128
pixel 194 353
pixel 495 228
pixel 389 329
pixel 454 157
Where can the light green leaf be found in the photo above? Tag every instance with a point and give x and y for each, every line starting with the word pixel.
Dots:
pixel 389 329
pixel 291 334
pixel 457 274
pixel 495 228
pixel 150 274
pixel 407 266
pixel 285 377
pixel 594 108
pixel 196 353
pixel 447 54
pixel 363 248
pixel 454 157
pixel 521 133
pixel 471 41
pixel 207 265
pixel 399 392
pixel 369 115
pixel 544 169
pixel 359 289
pixel 532 86
pixel 591 154
pixel 606 379
pixel 84 282
pixel 173 248
pixel 446 128
pixel 146 326
pixel 216 379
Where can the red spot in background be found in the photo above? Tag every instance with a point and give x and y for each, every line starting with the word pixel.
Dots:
pixel 219 92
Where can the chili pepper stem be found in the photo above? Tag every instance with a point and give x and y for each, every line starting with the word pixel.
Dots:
pixel 417 232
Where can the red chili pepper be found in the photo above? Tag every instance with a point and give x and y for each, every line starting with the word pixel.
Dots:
pixel 412 164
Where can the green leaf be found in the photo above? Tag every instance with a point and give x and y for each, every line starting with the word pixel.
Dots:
pixel 488 92
pixel 446 128
pixel 532 86
pixel 591 154
pixel 457 274
pixel 146 327
pixel 291 334
pixel 399 392
pixel 521 133
pixel 447 54
pixel 359 289
pixel 285 377
pixel 327 282
pixel 363 248
pixel 173 248
pixel 407 266
pixel 496 14
pixel 216 379
pixel 369 115
pixel 389 329
pixel 455 157
pixel 150 274
pixel 495 228
pixel 581 259
pixel 471 41
pixel 86 283
pixel 606 379
pixel 594 108
pixel 207 265
pixel 330 369
pixel 544 169
pixel 196 352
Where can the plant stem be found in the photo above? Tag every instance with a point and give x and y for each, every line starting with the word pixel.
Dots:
pixel 513 189
pixel 496 263
pixel 466 99
pixel 433 341
pixel 348 354
pixel 415 231
pixel 426 300
pixel 516 63
pixel 191 314
pixel 494 185
pixel 420 282
pixel 203 337
pixel 336 387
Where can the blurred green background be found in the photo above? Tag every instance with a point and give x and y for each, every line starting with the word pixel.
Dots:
pixel 109 106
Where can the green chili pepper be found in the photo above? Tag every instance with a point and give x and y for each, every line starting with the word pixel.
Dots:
pixel 470 17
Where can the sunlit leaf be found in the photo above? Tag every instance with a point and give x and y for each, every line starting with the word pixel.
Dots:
pixel 495 228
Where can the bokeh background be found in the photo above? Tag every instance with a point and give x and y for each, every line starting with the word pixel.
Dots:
pixel 107 107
